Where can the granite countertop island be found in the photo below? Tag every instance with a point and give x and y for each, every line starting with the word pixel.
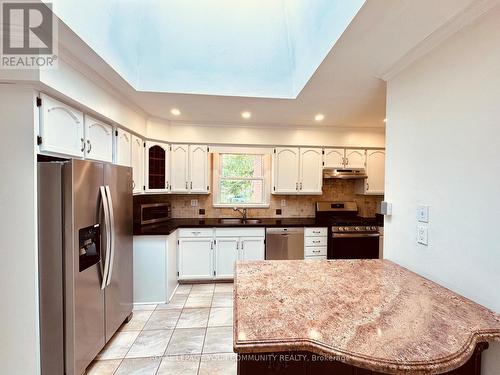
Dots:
pixel 369 314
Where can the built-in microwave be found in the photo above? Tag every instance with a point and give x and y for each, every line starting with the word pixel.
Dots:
pixel 155 212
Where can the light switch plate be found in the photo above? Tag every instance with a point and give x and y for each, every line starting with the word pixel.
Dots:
pixel 423 234
pixel 283 203
pixel 423 213
pixel 386 208
pixel 194 202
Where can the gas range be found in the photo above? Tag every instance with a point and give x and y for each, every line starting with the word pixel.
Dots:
pixel 350 236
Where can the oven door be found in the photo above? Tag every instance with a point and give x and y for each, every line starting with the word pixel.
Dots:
pixel 354 246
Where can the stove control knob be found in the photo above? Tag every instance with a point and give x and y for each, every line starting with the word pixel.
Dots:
pixel 374 228
pixel 341 229
pixel 357 228
pixel 346 229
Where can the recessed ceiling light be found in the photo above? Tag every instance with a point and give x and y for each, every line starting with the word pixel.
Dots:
pixel 385 120
pixel 175 111
pixel 246 115
pixel 319 117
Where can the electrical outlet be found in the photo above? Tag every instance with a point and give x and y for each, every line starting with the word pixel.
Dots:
pixel 423 213
pixel 278 211
pixel 423 234
pixel 283 203
pixel 194 202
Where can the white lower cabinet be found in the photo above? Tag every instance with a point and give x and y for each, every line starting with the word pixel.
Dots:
pixel 195 258
pixel 226 253
pixel 315 243
pixel 155 278
pixel 252 248
pixel 208 254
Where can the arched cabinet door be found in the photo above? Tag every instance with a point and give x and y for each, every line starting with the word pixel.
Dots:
pixel 355 159
pixel 98 140
pixel 157 162
pixel 286 170
pixel 334 157
pixel 179 168
pixel 138 164
pixel 311 171
pixel 123 148
pixel 198 169
pixel 61 128
pixel 375 169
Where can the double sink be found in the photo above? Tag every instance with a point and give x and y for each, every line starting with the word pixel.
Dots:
pixel 233 220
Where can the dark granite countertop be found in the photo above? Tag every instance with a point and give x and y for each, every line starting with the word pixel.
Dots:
pixel 171 225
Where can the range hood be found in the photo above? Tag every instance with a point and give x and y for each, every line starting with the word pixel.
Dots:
pixel 345 174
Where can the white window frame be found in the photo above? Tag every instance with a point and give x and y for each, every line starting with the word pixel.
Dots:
pixel 266 181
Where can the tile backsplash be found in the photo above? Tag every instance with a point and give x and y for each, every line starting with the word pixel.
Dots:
pixel 296 205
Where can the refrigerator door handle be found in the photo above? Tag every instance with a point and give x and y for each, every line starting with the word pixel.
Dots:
pixel 112 235
pixel 105 269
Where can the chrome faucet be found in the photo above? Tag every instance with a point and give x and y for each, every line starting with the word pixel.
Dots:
pixel 242 211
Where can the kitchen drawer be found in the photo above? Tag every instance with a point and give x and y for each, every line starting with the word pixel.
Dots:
pixel 316 257
pixel 196 232
pixel 315 241
pixel 315 251
pixel 240 232
pixel 316 232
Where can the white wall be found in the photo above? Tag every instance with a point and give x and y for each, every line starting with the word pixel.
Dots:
pixel 19 352
pixel 443 149
pixel 314 136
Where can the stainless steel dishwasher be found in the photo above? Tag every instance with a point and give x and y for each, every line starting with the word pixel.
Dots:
pixel 284 243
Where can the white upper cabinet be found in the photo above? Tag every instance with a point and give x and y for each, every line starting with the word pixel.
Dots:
pixel 98 140
pixel 311 171
pixel 157 165
pixel 137 164
pixel 198 169
pixel 375 169
pixel 334 157
pixel 189 169
pixel 297 170
pixel 355 159
pixel 123 148
pixel 61 128
pixel 179 168
pixel 286 170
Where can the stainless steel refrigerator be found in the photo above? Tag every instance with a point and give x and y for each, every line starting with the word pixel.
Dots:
pixel 85 260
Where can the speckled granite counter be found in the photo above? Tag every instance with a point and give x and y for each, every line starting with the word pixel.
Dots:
pixel 372 314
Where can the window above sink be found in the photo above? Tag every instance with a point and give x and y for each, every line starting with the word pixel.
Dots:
pixel 241 180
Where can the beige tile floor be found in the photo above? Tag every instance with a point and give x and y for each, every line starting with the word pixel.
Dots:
pixel 191 335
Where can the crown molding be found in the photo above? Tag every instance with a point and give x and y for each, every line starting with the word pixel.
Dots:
pixel 467 16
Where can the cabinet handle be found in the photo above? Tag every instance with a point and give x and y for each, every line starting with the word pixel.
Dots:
pixel 316 251
pixel 241 245
pixel 89 146
pixel 191 184
pixel 133 184
pixel 166 185
pixel 83 145
pixel 367 186
pixel 317 232
pixel 297 186
pixel 316 241
pixel 186 185
pixel 346 161
pixel 237 245
pixel 301 186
